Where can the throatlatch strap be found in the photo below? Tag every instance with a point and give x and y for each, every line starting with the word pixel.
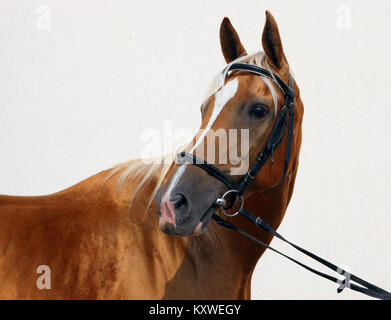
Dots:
pixel 288 151
pixel 368 288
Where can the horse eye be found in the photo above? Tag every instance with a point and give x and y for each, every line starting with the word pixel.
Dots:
pixel 259 111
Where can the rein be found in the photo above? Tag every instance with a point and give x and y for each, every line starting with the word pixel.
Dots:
pixel 267 152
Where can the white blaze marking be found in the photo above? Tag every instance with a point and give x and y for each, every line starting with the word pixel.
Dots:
pixel 222 97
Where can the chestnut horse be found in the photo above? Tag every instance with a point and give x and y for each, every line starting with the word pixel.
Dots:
pixel 102 239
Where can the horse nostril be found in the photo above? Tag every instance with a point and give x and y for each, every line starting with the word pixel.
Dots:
pixel 179 201
pixel 180 205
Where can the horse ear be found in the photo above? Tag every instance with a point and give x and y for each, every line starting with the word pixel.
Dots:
pixel 271 42
pixel 230 43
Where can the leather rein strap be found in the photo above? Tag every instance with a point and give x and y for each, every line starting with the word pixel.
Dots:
pixel 365 287
pixel 273 141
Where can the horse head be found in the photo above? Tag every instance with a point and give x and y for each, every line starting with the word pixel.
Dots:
pixel 241 114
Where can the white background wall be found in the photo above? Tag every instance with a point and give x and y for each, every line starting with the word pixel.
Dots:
pixel 76 97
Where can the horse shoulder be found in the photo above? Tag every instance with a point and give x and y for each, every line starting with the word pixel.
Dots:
pixel 71 233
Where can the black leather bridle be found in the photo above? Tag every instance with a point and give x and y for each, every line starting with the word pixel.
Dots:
pixel 272 143
pixel 275 138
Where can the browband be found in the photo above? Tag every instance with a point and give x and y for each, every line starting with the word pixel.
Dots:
pixel 286 90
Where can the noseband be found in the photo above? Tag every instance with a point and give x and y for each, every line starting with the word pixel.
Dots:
pixel 272 143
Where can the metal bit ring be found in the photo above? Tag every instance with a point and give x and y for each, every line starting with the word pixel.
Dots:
pixel 221 202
